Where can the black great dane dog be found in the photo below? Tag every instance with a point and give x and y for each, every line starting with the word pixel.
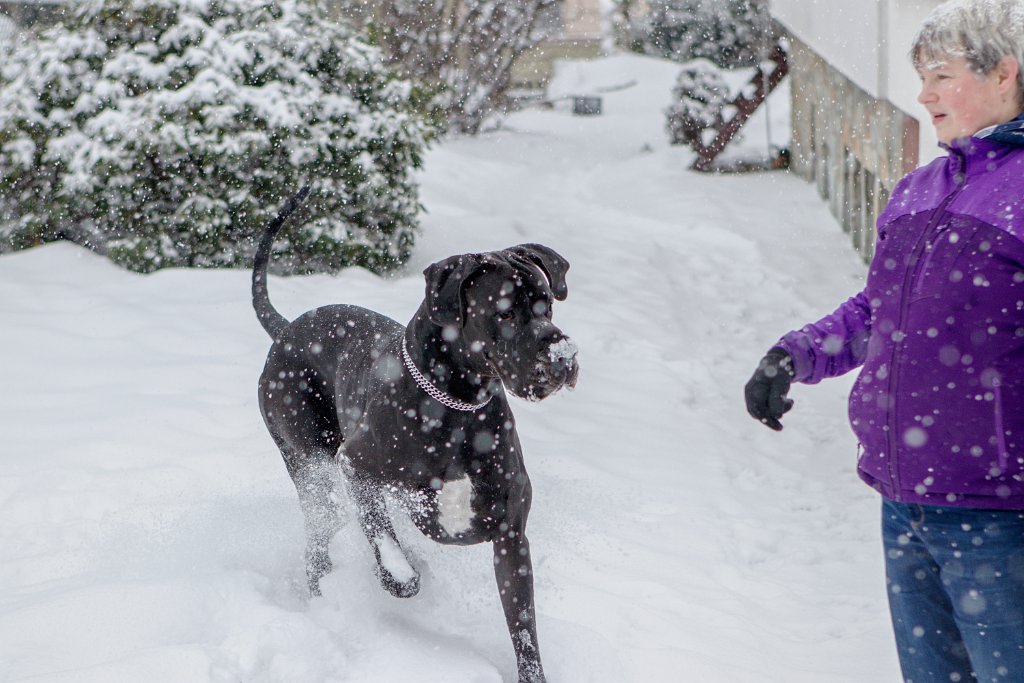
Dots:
pixel 359 403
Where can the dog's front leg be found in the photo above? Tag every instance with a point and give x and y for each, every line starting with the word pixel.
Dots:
pixel 396 575
pixel 514 571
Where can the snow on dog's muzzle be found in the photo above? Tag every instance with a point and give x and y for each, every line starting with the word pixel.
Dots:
pixel 564 366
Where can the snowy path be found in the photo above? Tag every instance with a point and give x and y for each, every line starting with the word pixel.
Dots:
pixel 149 530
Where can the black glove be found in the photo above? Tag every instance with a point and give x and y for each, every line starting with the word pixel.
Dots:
pixel 766 390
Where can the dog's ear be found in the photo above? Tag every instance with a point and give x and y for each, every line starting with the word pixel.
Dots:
pixel 446 304
pixel 549 261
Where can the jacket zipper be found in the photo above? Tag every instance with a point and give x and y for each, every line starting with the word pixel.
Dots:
pixel 908 279
pixel 930 247
pixel 1004 455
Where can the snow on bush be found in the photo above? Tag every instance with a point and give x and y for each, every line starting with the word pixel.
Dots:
pixel 729 33
pixel 698 98
pixel 167 132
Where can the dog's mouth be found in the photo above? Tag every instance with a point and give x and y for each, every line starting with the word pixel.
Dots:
pixel 554 368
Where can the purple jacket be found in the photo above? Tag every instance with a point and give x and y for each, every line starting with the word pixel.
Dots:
pixel 938 407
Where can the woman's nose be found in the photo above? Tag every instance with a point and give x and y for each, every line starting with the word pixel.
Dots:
pixel 926 94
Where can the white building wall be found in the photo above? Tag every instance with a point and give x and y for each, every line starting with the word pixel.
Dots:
pixel 904 18
pixel 868 42
pixel 845 33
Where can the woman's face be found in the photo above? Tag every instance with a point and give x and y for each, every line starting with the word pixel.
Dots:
pixel 961 102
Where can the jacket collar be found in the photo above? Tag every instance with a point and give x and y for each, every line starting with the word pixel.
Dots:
pixel 1008 134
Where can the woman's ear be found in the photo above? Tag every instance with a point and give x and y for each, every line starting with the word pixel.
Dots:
pixel 1008 77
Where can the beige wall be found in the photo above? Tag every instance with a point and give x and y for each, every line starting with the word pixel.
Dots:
pixel 580 38
pixel 582 18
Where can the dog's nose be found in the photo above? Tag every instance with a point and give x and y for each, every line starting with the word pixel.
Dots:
pixel 562 353
pixel 561 349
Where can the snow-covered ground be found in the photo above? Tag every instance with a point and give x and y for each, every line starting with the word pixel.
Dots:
pixel 149 531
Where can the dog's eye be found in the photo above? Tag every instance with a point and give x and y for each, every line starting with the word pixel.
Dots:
pixel 507 314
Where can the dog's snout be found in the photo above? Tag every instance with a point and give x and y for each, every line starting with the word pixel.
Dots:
pixel 558 358
pixel 570 363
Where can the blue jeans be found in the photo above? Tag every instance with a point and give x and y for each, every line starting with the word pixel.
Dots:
pixel 956 592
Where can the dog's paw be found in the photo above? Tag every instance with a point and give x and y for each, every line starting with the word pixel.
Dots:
pixel 318 565
pixel 399 589
pixel 396 573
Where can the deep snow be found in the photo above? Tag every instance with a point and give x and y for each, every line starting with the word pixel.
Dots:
pixel 150 532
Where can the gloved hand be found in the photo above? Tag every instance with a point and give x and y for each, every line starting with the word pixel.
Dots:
pixel 766 390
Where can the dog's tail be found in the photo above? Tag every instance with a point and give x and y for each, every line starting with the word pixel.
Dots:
pixel 272 321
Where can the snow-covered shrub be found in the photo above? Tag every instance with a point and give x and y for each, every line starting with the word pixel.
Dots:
pixel 698 98
pixel 461 50
pixel 729 33
pixel 167 133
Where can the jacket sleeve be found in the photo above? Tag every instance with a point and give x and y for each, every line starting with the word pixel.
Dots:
pixel 832 346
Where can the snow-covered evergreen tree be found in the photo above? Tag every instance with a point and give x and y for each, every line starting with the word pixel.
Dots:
pixel 730 33
pixel 167 132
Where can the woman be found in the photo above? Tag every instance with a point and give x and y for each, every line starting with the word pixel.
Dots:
pixel 938 331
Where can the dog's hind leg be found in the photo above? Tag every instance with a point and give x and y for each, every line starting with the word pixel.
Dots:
pixel 396 574
pixel 301 419
pixel 317 482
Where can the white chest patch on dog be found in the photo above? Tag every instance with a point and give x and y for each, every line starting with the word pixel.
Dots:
pixel 454 506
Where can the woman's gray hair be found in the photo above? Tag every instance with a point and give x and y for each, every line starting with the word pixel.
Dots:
pixel 980 31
